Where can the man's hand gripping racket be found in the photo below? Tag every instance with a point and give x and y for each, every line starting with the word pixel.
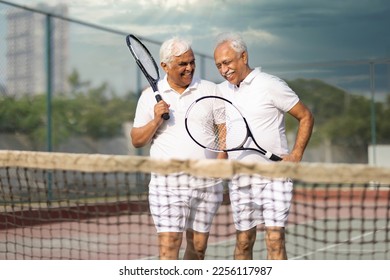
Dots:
pixel 147 65
pixel 215 124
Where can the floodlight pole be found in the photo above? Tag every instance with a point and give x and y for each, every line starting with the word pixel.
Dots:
pixel 373 119
pixel 49 88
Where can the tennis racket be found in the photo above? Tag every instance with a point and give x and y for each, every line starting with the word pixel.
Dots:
pixel 147 65
pixel 215 124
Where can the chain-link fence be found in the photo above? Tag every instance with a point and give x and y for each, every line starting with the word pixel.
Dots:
pixel 72 86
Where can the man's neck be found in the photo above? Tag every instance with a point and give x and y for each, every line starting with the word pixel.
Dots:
pixel 247 71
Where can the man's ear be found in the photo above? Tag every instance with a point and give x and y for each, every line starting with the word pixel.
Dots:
pixel 244 56
pixel 164 66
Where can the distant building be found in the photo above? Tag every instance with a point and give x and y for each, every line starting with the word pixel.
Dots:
pixel 26 51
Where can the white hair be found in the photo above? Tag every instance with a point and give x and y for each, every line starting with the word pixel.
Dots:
pixel 236 41
pixel 173 47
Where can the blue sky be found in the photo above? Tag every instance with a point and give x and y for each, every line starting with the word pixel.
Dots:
pixel 278 32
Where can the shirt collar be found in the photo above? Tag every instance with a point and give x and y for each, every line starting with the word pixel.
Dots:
pixel 248 79
pixel 164 86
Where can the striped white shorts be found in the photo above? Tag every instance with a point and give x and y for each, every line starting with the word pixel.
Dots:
pixel 265 203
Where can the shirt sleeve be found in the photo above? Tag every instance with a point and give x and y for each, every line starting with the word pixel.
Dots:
pixel 283 97
pixel 144 112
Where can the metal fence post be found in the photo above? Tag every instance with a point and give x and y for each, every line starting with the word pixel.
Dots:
pixel 49 84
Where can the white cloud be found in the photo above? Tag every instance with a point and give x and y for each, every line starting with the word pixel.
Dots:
pixel 257 35
pixel 152 31
pixel 179 5
pixel 251 36
pixel 316 30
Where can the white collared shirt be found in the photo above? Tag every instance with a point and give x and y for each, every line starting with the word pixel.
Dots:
pixel 171 141
pixel 263 100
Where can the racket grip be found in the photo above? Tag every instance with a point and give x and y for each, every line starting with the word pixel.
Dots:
pixel 165 116
pixel 275 158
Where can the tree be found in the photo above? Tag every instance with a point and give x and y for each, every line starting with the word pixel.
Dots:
pixel 341 117
pixel 95 112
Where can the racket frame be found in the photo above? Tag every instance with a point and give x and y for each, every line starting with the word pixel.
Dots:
pixel 240 147
pixel 152 81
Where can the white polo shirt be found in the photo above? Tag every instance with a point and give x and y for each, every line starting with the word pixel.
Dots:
pixel 171 140
pixel 263 100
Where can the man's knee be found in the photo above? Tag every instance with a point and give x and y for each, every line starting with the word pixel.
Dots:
pixel 275 240
pixel 246 239
pixel 169 244
pixel 275 234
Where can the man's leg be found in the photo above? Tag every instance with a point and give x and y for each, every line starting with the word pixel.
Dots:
pixel 169 245
pixel 245 241
pixel 196 245
pixel 204 206
pixel 275 241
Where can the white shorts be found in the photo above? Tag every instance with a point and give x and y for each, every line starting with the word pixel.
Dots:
pixel 179 209
pixel 266 203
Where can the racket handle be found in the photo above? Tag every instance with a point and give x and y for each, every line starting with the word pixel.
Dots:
pixel 275 158
pixel 165 116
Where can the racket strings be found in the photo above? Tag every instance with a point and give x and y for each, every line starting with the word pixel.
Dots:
pixel 216 129
pixel 145 58
pixel 216 125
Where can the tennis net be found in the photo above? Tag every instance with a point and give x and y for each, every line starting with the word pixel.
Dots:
pixel 84 206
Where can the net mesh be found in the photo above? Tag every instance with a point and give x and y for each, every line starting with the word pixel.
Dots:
pixel 79 206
